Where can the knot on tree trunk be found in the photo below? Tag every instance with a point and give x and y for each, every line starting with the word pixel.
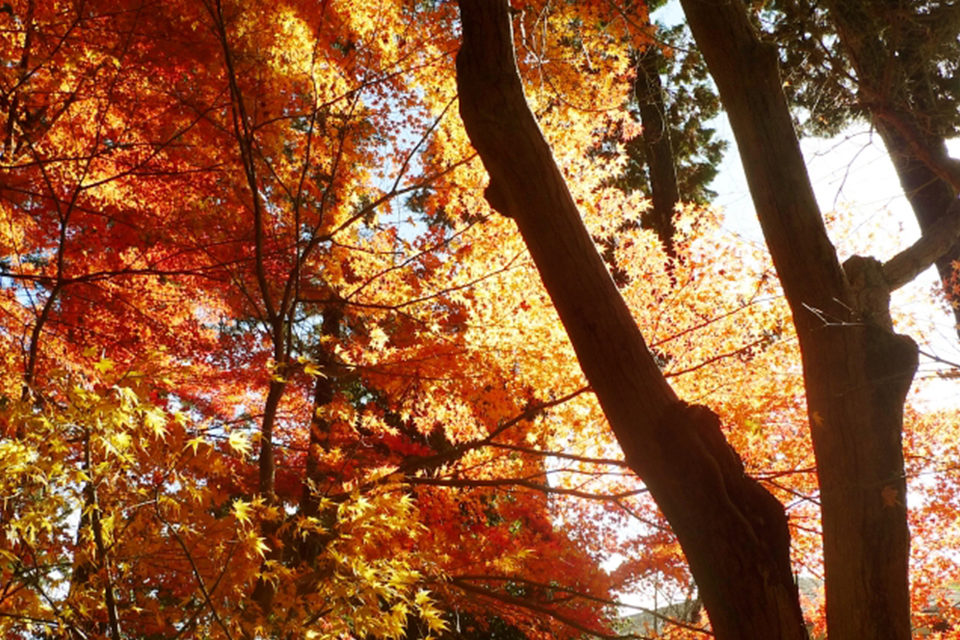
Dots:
pixel 714 468
pixel 728 525
pixel 869 291
pixel 890 358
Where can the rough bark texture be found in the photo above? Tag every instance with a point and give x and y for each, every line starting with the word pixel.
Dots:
pixel 857 371
pixel 733 532
pixel 856 414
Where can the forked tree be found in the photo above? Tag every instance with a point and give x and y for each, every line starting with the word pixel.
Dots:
pixel 857 370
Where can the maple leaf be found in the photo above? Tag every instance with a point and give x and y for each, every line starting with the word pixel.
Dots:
pixel 311 370
pixel 249 186
pixel 260 546
pixel 156 421
pixel 241 511
pixel 194 443
pixel 240 442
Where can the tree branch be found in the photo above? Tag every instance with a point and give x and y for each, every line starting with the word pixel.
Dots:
pixel 935 242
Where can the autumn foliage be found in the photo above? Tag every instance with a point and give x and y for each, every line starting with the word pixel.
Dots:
pixel 274 368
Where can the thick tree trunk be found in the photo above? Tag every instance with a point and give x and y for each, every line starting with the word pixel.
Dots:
pixel 733 532
pixel 857 371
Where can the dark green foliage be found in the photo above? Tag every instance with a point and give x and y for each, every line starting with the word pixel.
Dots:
pixel 919 62
pixel 690 102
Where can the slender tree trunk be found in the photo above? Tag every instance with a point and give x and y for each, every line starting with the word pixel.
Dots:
pixel 310 546
pixel 856 370
pixel 733 532
pixel 930 178
pixel 264 590
pixel 91 524
pixel 657 147
pixel 266 463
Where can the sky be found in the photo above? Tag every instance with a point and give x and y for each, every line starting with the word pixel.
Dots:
pixel 853 177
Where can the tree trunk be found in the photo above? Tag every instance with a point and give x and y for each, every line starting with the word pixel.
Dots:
pixel 733 532
pixel 657 147
pixel 929 177
pixel 856 370
pixel 930 198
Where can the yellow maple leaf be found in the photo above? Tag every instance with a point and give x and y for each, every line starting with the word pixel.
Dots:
pixel 193 443
pixel 155 420
pixel 421 598
pixel 241 511
pixel 260 546
pixel 240 443
pixel 311 370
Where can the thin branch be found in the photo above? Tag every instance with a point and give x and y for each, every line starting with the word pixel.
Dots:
pixel 559 454
pixel 414 463
pixel 532 606
pixel 525 483
pixel 244 138
pixel 720 356
pixel 937 358
pixel 584 596
pixel 193 566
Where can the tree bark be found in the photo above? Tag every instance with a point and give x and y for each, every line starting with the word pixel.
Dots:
pixel 932 202
pixel 856 370
pixel 657 147
pixel 886 71
pixel 938 241
pixel 733 532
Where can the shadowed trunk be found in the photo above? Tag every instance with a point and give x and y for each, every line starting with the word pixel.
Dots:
pixel 733 532
pixel 856 370
pixel 310 546
pixel 657 147
pixel 888 74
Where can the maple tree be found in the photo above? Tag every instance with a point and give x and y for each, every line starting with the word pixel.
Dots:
pixel 857 370
pixel 240 398
pixel 276 368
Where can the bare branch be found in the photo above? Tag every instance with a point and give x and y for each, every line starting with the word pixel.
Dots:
pixel 533 606
pixel 917 258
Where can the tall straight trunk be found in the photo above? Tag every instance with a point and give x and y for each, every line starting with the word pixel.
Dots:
pixel 856 370
pixel 733 532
